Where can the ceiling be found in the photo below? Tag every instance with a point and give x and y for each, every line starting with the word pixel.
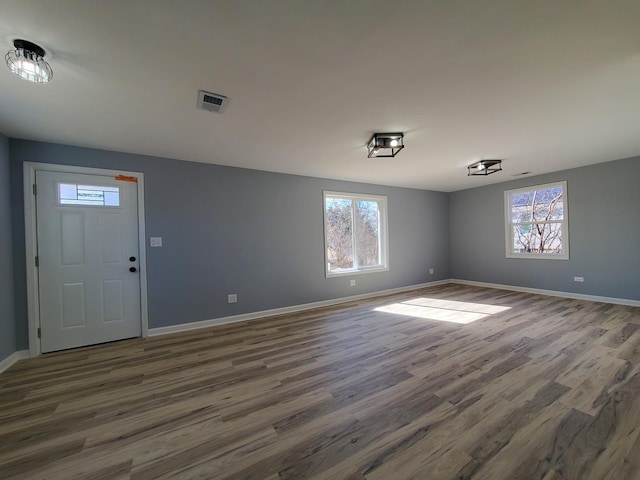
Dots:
pixel 545 85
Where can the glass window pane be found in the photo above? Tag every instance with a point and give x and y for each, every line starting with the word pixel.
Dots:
pixel 68 191
pixel 72 194
pixel 521 206
pixel 112 199
pixel 90 195
pixel 548 204
pixel 538 238
pixel 538 205
pixel 339 233
pixel 367 233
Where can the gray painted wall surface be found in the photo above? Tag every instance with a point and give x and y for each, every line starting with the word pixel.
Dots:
pixel 7 311
pixel 230 230
pixel 604 234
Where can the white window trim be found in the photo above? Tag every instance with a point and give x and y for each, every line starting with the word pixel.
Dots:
pixel 565 224
pixel 383 229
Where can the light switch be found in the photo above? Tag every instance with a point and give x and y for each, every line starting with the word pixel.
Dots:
pixel 155 241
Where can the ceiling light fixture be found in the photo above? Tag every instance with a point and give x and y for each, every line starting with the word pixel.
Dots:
pixel 385 144
pixel 27 61
pixel 484 167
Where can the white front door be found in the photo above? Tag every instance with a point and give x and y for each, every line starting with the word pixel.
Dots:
pixel 87 241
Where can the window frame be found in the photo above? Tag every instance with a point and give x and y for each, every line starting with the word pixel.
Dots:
pixel 383 233
pixel 564 223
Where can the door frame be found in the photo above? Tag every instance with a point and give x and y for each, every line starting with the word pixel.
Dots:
pixel 31 243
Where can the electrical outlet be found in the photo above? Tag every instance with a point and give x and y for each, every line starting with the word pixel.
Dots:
pixel 232 298
pixel 155 241
pixel 352 283
pixel 431 271
pixel 578 279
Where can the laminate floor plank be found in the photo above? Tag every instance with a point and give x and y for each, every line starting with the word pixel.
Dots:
pixel 446 382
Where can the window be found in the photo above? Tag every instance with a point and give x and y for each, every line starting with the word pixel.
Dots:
pixel 536 222
pixel 101 196
pixel 355 229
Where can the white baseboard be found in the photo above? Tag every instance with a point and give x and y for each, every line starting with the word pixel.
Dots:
pixel 552 293
pixel 23 354
pixel 13 358
pixel 336 301
pixel 280 311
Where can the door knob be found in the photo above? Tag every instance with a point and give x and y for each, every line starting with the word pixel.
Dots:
pixel 132 259
pixel 133 269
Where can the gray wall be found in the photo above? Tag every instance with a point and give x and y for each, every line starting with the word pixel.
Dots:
pixel 604 234
pixel 7 312
pixel 257 234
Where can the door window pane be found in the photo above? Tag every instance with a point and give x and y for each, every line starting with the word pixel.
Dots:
pixel 101 196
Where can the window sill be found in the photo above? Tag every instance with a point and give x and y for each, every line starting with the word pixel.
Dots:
pixel 534 256
pixel 343 273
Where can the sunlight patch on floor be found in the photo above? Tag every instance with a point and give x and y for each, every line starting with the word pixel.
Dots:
pixel 442 310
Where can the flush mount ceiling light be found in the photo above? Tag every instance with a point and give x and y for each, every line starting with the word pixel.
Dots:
pixel 484 167
pixel 385 144
pixel 27 62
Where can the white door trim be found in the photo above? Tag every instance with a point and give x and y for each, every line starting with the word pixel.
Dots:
pixel 31 243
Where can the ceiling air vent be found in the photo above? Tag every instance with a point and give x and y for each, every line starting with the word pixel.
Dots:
pixel 211 101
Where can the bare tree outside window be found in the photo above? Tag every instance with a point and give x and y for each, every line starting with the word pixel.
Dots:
pixel 353 232
pixel 367 235
pixel 339 225
pixel 537 221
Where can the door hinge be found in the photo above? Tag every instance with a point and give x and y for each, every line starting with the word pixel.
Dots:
pixel 37 261
pixel 39 333
pixel 35 189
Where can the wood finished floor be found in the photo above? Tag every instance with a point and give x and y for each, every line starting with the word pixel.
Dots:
pixel 547 388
